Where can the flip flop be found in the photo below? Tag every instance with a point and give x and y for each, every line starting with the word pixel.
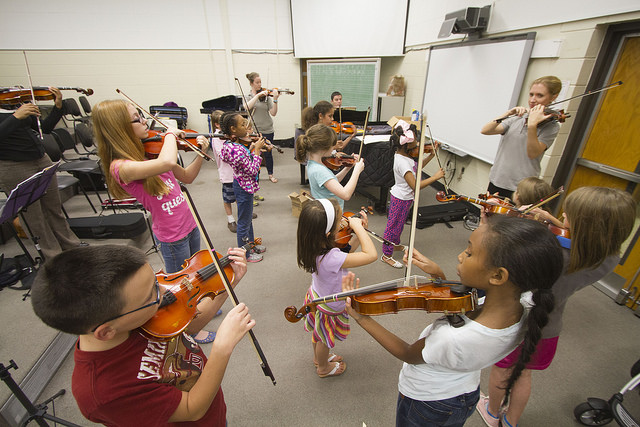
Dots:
pixel 209 338
pixel 332 358
pixel 334 372
pixel 273 179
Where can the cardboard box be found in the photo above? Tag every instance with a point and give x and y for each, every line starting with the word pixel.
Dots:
pixel 298 201
pixel 393 120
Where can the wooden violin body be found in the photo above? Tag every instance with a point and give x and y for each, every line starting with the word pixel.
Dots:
pixel 183 290
pixel 280 91
pixel 427 297
pixel 346 127
pixel 433 297
pixel 336 162
pixel 155 140
pixel 18 95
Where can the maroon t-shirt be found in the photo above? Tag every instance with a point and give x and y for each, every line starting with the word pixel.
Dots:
pixel 140 382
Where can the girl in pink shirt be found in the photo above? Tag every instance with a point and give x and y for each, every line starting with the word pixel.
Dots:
pixel 119 128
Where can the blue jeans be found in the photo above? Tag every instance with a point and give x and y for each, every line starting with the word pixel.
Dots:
pixel 175 253
pixel 268 155
pixel 447 412
pixel 244 201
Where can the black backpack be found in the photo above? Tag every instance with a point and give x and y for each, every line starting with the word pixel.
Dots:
pixel 14 269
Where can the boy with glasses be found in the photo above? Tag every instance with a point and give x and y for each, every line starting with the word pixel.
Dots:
pixel 121 377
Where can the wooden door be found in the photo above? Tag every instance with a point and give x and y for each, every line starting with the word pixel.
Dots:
pixel 610 155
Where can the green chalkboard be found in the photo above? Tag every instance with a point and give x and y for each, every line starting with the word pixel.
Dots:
pixel 356 80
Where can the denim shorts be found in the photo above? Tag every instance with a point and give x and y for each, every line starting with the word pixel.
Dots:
pixel 447 412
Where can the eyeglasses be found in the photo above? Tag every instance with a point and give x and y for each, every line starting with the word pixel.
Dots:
pixel 140 118
pixel 157 301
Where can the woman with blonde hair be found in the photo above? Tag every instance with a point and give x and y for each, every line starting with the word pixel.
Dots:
pixel 525 137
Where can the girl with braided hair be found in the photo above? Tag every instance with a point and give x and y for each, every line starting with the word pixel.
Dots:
pixel 403 140
pixel 439 381
pixel 600 220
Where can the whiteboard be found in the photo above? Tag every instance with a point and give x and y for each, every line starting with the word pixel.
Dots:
pixel 348 29
pixel 468 84
pixel 357 81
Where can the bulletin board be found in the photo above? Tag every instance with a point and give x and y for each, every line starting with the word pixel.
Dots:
pixel 470 83
pixel 357 81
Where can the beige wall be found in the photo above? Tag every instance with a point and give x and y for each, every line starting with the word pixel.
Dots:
pixel 153 77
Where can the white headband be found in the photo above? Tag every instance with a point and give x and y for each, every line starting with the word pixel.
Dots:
pixel 331 213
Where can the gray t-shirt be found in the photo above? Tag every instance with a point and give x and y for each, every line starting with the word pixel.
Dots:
pixel 261 114
pixel 568 284
pixel 512 164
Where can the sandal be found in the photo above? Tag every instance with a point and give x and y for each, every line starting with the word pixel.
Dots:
pixel 332 358
pixel 273 179
pixel 335 371
pixel 390 261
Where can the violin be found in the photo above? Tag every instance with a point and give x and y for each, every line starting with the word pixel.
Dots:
pixel 281 91
pixel 250 138
pixel 184 289
pixel 556 115
pixel 559 231
pixel 346 127
pixel 19 95
pixel 154 142
pixel 334 162
pixel 415 151
pixel 503 208
pixel 431 295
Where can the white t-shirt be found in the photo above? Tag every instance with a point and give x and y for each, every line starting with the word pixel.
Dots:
pixel 402 165
pixel 454 358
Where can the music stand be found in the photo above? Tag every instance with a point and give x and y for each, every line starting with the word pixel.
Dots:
pixel 25 193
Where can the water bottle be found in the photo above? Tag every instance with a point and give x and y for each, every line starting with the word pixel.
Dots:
pixel 415 116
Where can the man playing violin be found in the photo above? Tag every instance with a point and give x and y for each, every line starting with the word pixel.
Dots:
pixel 22 154
pixel 104 294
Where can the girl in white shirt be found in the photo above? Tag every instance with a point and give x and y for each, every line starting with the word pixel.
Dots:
pixel 404 141
pixel 439 381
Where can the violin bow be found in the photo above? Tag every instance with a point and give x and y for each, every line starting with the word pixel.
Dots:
pixel 225 281
pixel 545 200
pixel 435 150
pixel 253 122
pixel 33 96
pixel 416 203
pixel 366 120
pixel 194 147
pixel 589 92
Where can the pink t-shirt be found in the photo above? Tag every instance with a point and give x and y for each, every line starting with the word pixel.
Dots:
pixel 225 171
pixel 172 219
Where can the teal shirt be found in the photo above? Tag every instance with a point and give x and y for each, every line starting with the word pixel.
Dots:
pixel 318 174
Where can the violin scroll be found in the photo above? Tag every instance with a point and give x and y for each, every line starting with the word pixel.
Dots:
pixel 294 315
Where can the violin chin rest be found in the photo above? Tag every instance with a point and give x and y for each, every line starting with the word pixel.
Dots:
pixel 460 289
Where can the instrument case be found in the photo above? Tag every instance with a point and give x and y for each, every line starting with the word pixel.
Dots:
pixel 115 226
pixel 444 212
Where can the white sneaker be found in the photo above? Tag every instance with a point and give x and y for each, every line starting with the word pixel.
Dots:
pixel 254 257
